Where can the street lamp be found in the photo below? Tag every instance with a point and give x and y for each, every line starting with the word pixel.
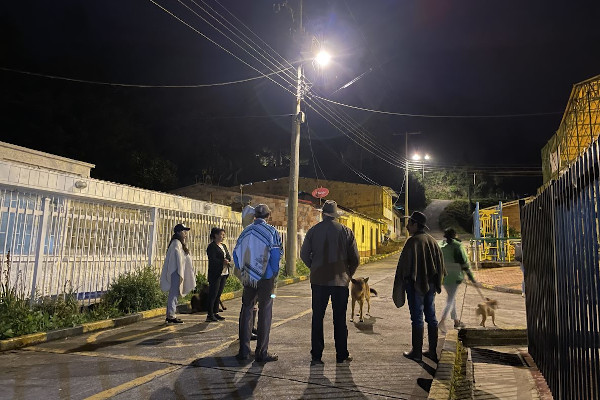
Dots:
pixel 417 157
pixel 323 58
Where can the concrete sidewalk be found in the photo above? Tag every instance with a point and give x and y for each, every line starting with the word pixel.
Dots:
pixel 151 360
pixel 483 368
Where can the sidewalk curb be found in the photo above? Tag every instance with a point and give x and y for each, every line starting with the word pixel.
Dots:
pixel 497 288
pixel 43 337
pixel 445 373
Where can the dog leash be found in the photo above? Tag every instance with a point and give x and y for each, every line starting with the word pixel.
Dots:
pixel 463 304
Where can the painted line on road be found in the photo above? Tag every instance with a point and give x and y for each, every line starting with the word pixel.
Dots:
pixel 107 394
pixel 105 355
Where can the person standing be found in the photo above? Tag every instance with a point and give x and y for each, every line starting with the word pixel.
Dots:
pixel 257 254
pixel 177 275
pixel 329 250
pixel 456 262
pixel 421 270
pixel 218 272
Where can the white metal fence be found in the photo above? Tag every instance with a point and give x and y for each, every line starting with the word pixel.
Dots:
pixel 52 241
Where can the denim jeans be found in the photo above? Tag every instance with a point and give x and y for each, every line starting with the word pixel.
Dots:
pixel 339 305
pixel 420 304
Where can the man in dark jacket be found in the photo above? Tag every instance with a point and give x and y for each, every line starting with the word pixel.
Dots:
pixel 329 250
pixel 421 270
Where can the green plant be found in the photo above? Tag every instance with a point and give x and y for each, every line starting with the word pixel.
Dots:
pixel 301 268
pixel 200 281
pixel 232 284
pixel 135 291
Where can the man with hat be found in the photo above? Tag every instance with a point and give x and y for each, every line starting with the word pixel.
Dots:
pixel 257 254
pixel 329 250
pixel 421 270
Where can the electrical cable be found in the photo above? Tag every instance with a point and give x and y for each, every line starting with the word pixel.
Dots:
pixel 216 44
pixel 441 116
pixel 203 85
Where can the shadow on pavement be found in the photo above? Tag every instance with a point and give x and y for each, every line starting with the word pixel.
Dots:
pixel 487 356
pixel 366 326
pixel 122 337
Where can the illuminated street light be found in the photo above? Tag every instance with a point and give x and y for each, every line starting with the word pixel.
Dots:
pixel 427 157
pixel 416 157
pixel 323 58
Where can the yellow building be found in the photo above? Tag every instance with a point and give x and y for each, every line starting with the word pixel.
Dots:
pixel 366 231
pixel 373 202
pixel 580 126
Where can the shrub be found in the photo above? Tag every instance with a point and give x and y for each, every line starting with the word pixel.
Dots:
pixel 457 215
pixel 390 246
pixel 233 284
pixel 301 268
pixel 135 291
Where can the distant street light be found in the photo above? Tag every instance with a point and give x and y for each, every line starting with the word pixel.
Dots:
pixel 406 174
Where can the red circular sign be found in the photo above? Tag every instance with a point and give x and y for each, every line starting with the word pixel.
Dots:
pixel 321 192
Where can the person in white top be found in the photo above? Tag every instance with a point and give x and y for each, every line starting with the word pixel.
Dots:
pixel 177 275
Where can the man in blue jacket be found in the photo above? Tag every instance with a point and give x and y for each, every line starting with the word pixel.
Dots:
pixel 257 254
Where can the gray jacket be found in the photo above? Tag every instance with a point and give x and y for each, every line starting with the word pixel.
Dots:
pixel 330 251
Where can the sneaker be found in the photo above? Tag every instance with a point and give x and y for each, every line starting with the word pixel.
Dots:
pixel 242 357
pixel 255 331
pixel 218 317
pixel 253 336
pixel 173 321
pixel 347 359
pixel 211 318
pixel 459 324
pixel 267 358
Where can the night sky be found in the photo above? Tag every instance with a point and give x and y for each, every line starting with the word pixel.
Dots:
pixel 435 58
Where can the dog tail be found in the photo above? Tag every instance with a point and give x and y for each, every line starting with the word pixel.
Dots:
pixel 373 291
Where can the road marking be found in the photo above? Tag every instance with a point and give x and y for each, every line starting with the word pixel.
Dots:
pixel 107 394
pixel 147 378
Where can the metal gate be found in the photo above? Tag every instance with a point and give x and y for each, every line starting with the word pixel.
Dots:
pixel 560 231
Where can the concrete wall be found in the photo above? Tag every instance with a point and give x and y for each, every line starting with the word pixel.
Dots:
pixel 307 214
pixel 37 159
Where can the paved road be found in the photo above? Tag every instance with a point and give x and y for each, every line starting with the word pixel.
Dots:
pixel 150 360
pixel 433 211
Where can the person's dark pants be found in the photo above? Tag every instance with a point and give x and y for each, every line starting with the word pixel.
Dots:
pixel 215 289
pixel 339 304
pixel 420 304
pixel 262 292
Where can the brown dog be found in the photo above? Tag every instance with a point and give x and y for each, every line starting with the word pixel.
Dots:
pixel 361 292
pixel 487 309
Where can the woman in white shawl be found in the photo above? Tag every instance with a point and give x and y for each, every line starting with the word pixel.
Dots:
pixel 177 274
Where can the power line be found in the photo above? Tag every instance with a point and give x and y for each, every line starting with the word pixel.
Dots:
pixel 440 116
pixel 217 44
pixel 64 78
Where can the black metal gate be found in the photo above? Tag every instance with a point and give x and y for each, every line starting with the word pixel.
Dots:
pixel 560 232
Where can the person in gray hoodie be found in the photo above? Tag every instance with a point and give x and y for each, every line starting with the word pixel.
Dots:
pixel 329 250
